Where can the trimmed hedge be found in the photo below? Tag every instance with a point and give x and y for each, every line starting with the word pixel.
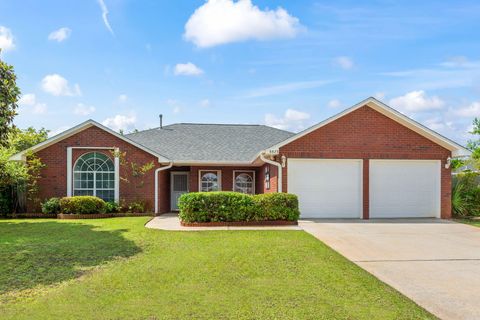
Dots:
pixel 51 206
pixel 234 206
pixel 82 205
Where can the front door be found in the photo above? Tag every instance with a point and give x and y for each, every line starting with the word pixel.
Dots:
pixel 179 186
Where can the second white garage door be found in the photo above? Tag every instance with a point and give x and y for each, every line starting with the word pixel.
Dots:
pixel 404 188
pixel 326 188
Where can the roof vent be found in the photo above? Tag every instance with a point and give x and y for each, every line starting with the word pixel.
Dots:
pixel 161 121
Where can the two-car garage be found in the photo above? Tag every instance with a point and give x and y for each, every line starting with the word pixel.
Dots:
pixel 333 188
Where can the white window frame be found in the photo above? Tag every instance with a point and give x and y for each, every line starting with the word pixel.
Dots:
pixel 116 163
pixel 219 177
pixel 244 171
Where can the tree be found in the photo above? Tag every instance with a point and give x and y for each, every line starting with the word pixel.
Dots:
pixel 9 96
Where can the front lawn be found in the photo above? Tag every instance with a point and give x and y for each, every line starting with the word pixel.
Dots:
pixel 117 269
pixel 473 222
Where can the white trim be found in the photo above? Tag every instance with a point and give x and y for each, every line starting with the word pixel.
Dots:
pixel 156 184
pixel 117 176
pixel 214 163
pixel 82 126
pixel 457 150
pixel 172 173
pixel 219 177
pixel 438 181
pixel 69 172
pixel 254 182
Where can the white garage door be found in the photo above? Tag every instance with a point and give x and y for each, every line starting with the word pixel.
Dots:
pixel 326 188
pixel 404 188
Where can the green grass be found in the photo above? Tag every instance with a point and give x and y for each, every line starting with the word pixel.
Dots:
pixel 117 269
pixel 472 222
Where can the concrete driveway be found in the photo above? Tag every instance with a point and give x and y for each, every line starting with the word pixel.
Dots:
pixel 434 262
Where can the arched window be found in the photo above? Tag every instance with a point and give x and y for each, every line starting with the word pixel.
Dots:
pixel 243 183
pixel 209 182
pixel 94 175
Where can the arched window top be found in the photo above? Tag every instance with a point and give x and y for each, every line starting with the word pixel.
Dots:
pixel 94 161
pixel 244 183
pixel 209 181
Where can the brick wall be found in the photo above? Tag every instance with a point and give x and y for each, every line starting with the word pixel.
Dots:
pixel 54 176
pixel 227 177
pixel 367 134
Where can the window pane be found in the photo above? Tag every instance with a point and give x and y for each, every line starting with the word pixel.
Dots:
pixel 93 175
pixel 244 183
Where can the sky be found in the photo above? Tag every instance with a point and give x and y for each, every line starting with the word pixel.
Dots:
pixel 287 64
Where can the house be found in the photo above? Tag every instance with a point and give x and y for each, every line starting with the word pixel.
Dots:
pixel 368 161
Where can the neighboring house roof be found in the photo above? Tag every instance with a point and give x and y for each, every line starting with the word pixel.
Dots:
pixel 191 143
pixel 82 126
pixel 456 149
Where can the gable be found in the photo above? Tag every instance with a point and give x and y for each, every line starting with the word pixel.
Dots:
pixel 380 108
pixel 365 129
pixel 103 137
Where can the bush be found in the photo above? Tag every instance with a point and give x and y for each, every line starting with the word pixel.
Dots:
pixel 112 207
pixel 136 207
pixel 234 206
pixel 466 194
pixel 51 206
pixel 82 205
pixel 277 206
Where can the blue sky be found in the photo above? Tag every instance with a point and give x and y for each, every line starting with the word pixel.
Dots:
pixel 289 64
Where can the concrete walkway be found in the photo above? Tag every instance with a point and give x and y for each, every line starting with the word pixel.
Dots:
pixel 436 263
pixel 171 222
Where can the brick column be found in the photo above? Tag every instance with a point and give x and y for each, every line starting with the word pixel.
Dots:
pixel 366 189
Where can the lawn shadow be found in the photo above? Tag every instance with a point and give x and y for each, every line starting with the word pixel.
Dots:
pixel 45 253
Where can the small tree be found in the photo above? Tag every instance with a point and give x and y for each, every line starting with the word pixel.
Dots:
pixel 9 96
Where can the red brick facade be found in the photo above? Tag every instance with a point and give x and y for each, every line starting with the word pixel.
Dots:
pixel 362 134
pixel 367 134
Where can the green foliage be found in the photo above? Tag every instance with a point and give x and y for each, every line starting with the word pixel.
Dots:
pixel 51 206
pixel 9 96
pixel 136 207
pixel 457 163
pixel 466 194
pixel 21 140
pixel 82 205
pixel 277 206
pixel 112 207
pixel 234 206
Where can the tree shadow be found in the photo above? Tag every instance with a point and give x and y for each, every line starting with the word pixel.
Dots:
pixel 45 253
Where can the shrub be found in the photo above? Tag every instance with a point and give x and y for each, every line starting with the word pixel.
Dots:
pixel 466 194
pixel 234 206
pixel 112 207
pixel 277 206
pixel 82 205
pixel 136 207
pixel 51 206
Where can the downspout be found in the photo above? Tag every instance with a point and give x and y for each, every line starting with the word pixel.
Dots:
pixel 156 183
pixel 279 170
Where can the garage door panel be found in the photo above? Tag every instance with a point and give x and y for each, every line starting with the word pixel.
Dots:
pixel 404 188
pixel 326 188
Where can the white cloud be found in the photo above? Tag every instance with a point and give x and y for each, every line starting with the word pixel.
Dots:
pixel 287 87
pixel 417 101
pixel 438 124
pixel 122 98
pixel 28 102
pixel 205 103
pixel 379 95
pixel 28 99
pixel 187 69
pixel 471 111
pixel 58 131
pixel 292 120
pixel 176 109
pixel 6 39
pixel 60 34
pixel 121 122
pixel 57 85
pixel 460 62
pixel 335 103
pixel 223 21
pixel 83 110
pixel 104 8
pixel 346 63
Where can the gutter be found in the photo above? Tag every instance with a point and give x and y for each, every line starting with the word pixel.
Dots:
pixel 156 183
pixel 279 170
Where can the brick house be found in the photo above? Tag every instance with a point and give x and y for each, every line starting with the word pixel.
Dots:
pixel 369 161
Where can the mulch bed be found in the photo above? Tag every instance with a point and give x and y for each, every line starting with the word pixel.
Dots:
pixel 239 223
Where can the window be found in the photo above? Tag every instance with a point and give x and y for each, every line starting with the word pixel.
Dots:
pixel 267 177
pixel 209 182
pixel 243 183
pixel 94 175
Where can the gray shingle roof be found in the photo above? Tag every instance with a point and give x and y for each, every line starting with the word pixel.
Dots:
pixel 210 142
